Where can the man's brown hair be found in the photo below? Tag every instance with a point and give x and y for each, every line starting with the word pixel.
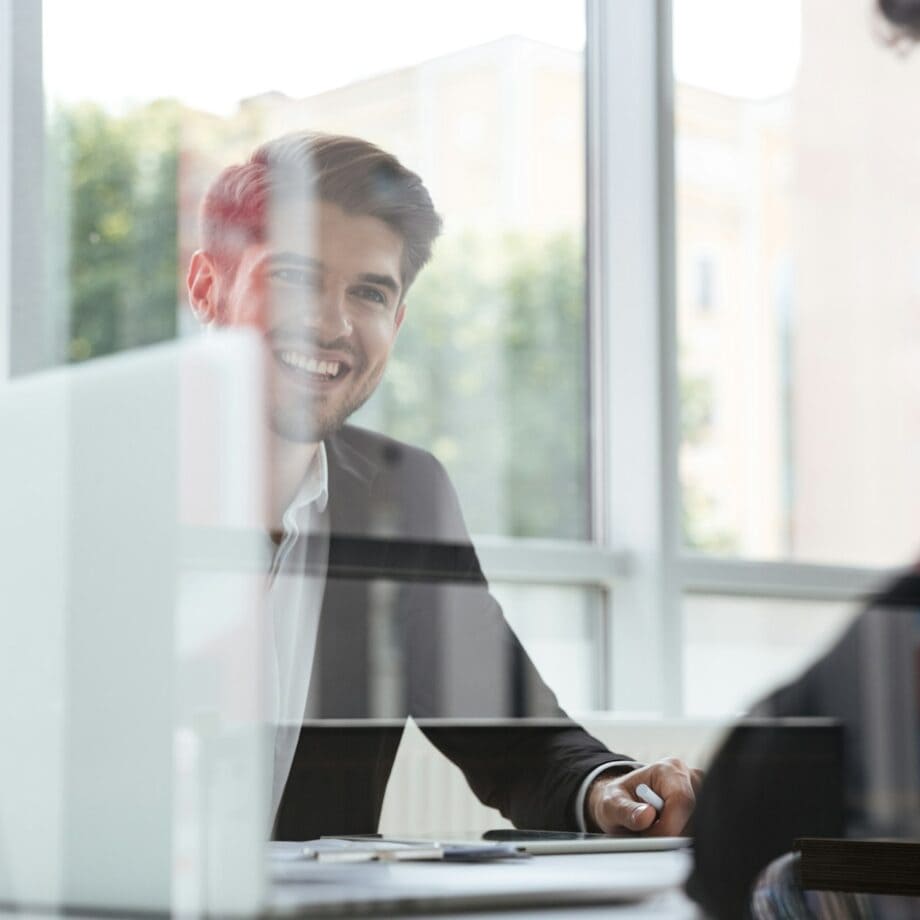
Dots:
pixel 356 175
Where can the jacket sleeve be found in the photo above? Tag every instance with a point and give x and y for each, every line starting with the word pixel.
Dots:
pixel 504 728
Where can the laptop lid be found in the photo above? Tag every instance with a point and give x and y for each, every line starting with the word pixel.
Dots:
pixel 133 770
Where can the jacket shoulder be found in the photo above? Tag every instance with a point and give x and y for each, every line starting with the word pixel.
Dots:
pixel 387 453
pixel 408 481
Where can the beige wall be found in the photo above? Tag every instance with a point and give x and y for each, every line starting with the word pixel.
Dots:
pixel 732 210
pixel 857 235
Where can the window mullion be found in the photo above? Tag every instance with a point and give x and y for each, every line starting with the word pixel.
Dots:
pixel 627 156
pixel 24 312
pixel 7 134
pixel 788 580
pixel 551 562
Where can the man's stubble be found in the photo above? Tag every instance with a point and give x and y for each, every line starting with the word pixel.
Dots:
pixel 309 420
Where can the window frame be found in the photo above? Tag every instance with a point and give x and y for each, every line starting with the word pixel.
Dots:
pixel 6 181
pixel 27 318
pixel 636 557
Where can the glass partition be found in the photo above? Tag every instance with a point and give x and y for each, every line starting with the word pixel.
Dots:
pixel 410 403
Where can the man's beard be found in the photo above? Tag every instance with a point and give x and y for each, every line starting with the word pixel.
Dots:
pixel 311 422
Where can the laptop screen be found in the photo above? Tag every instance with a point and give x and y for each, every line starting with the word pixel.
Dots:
pixel 131 708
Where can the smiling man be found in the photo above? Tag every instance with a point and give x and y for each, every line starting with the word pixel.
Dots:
pixel 380 608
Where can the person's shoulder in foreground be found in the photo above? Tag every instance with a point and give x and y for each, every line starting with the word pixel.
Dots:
pixel 864 689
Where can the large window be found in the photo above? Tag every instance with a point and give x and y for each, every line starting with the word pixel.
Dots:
pixel 486 106
pixel 797 332
pixel 487 103
pixel 800 408
pixel 666 347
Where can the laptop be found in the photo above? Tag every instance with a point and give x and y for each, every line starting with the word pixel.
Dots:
pixel 136 768
pixel 132 494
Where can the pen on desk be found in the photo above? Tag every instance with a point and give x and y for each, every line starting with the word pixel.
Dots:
pixel 650 797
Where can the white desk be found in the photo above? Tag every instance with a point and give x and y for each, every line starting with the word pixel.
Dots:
pixel 628 884
pixel 584 886
pixel 673 905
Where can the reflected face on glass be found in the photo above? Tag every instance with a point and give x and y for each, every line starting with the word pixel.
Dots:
pixel 328 299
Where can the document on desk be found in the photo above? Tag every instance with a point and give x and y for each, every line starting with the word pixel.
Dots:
pixel 283 855
pixel 345 849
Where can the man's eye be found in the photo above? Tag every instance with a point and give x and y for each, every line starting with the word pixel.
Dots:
pixel 295 276
pixel 371 293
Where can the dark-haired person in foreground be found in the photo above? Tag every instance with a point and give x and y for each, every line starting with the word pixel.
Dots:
pixel 315 241
pixel 765 789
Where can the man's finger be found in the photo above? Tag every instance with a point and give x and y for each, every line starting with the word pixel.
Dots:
pixel 696 778
pixel 676 784
pixel 676 787
pixel 619 811
pixel 674 817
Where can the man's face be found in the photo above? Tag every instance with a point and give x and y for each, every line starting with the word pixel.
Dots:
pixel 329 301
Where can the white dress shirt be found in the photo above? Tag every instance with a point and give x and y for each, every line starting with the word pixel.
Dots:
pixel 295 598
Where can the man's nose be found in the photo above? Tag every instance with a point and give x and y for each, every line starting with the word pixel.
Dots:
pixel 329 314
pixel 322 311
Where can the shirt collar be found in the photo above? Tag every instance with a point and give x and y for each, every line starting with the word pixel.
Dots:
pixel 314 490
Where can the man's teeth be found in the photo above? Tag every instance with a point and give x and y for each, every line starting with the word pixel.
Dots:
pixel 302 363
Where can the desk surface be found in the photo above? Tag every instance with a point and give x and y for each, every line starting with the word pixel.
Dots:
pixel 673 904
pixel 633 884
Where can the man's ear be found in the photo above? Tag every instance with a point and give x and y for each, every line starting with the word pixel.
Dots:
pixel 400 315
pixel 203 287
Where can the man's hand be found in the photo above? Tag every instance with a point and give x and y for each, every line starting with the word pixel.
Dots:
pixel 612 806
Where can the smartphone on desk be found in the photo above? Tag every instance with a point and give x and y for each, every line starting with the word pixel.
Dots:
pixel 554 842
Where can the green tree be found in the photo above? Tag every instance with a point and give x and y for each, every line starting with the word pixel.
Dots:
pixel 491 369
pixel 697 505
pixel 548 385
pixel 490 374
pixel 119 183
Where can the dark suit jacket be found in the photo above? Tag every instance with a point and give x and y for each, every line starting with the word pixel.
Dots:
pixel 408 627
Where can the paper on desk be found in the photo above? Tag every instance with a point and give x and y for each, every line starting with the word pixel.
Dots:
pixel 342 849
pixel 336 849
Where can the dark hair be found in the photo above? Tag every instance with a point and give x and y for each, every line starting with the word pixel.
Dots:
pixel 357 176
pixel 904 16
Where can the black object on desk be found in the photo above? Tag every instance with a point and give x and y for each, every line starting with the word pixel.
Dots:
pixel 868 866
pixel 770 782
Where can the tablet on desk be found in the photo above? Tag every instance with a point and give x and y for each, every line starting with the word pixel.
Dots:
pixel 547 842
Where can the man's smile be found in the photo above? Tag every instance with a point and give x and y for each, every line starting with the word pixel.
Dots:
pixel 306 366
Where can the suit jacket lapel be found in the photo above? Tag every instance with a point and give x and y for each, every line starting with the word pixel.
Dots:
pixel 340 686
pixel 351 479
